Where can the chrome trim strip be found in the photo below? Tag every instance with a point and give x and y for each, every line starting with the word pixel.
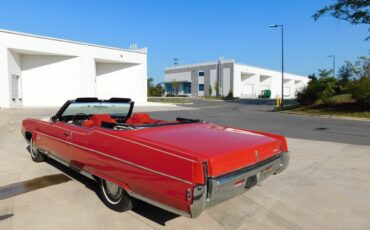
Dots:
pixel 199 200
pixel 117 159
pixel 248 168
pixel 159 204
pixel 63 162
pixel 225 187
pixel 285 156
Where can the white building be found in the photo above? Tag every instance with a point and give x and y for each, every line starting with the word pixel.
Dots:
pixel 43 71
pixel 243 81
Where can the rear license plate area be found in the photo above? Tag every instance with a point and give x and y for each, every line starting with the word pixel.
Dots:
pixel 251 181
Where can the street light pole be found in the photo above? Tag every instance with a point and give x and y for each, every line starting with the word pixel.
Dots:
pixel 333 56
pixel 282 62
pixel 175 61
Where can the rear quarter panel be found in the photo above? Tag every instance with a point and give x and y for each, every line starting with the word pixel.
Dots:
pixel 281 138
pixel 30 126
pixel 142 168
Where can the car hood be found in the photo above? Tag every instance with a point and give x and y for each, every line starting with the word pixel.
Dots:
pixel 224 148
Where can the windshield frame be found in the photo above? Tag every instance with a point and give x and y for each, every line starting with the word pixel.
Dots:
pixel 59 114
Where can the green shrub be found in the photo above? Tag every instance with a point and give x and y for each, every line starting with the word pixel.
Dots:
pixel 155 91
pixel 322 89
pixel 307 95
pixel 229 95
pixel 328 87
pixel 360 90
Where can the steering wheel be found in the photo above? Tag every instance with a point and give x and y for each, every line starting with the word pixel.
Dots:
pixel 79 115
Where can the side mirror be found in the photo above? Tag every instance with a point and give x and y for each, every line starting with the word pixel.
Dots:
pixel 54 118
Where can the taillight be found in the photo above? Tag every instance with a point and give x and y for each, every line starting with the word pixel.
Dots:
pixel 281 146
pixel 188 194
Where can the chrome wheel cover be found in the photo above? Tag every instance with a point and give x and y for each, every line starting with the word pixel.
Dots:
pixel 112 192
pixel 33 149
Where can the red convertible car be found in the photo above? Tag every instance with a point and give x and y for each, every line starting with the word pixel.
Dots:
pixel 183 166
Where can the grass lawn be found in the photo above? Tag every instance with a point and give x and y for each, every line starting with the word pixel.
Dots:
pixel 340 105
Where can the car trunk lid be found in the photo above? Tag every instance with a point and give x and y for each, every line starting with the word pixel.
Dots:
pixel 225 149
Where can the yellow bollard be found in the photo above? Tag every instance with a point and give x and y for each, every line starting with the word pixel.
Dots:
pixel 278 102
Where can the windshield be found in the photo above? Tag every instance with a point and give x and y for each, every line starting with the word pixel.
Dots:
pixel 115 109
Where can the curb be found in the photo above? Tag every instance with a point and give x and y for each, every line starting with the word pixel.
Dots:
pixel 327 116
pixel 174 103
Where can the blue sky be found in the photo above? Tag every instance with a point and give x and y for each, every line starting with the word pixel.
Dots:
pixel 197 30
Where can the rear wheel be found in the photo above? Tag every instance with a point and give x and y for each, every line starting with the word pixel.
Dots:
pixel 114 196
pixel 36 155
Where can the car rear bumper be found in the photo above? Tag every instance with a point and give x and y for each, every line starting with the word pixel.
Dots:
pixel 225 187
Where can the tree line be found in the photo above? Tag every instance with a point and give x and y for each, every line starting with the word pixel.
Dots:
pixel 352 79
pixel 154 90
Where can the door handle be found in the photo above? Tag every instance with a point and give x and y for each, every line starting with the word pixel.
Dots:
pixel 66 134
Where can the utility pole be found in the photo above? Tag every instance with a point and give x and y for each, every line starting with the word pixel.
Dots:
pixel 282 62
pixel 333 56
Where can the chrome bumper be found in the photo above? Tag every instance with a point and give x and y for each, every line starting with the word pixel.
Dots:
pixel 222 188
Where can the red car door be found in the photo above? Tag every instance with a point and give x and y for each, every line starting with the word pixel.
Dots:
pixel 79 138
pixel 54 138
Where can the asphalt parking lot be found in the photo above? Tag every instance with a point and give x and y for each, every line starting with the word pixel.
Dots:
pixel 326 185
pixel 256 114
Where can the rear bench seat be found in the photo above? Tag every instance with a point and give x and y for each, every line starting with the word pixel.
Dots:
pixel 135 119
pixel 142 119
pixel 97 119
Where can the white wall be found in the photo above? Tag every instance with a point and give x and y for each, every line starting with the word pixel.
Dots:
pixel 116 80
pixel 289 88
pixel 276 86
pixel 273 83
pixel 237 80
pixel 265 82
pixel 53 70
pixel 4 77
pixel 50 80
pixel 213 80
pixel 226 76
pixel 182 76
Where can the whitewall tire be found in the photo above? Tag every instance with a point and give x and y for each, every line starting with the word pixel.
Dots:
pixel 36 155
pixel 114 196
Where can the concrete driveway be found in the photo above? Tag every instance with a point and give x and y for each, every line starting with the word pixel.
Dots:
pixel 326 186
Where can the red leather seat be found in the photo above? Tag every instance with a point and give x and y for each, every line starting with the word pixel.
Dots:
pixel 141 118
pixel 97 119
